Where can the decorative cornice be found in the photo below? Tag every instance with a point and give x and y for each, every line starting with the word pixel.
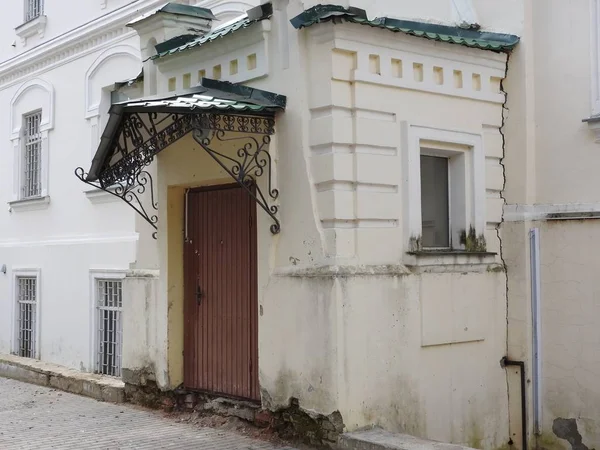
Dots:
pixel 523 212
pixel 74 43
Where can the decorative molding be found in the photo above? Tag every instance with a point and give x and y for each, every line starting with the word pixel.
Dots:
pixel 29 204
pixel 96 110
pixel 47 107
pixel 103 31
pixel 462 264
pixel 409 62
pixel 523 213
pixel 72 240
pixel 98 196
pixel 31 28
pixel 231 8
pixel 92 110
pixel 250 63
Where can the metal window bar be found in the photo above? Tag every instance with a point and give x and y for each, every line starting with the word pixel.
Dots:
pixel 110 327
pixel 33 9
pixel 27 306
pixel 32 186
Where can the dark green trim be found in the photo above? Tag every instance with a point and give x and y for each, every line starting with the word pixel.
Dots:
pixel 325 13
pixel 182 43
pixel 187 10
pixel 175 42
pixel 444 33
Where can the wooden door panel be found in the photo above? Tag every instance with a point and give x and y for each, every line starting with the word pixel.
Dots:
pixel 221 304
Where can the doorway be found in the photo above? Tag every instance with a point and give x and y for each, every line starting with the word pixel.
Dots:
pixel 221 292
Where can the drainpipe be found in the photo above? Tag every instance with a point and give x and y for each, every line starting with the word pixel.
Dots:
pixel 534 254
pixel 507 362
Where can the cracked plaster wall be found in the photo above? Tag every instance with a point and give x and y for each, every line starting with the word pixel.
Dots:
pixel 355 342
pixel 541 174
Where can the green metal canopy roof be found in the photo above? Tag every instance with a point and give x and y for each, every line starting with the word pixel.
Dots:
pixel 444 33
pixel 187 42
pixel 212 96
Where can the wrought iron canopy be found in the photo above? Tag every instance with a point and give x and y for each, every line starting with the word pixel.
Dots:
pixel 138 130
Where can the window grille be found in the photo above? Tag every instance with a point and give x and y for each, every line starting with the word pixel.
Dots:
pixel 33 9
pixel 110 327
pixel 27 306
pixel 32 186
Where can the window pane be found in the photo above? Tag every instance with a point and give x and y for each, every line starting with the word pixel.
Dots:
pixel 434 202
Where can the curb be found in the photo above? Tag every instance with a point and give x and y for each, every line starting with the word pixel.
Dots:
pixel 99 387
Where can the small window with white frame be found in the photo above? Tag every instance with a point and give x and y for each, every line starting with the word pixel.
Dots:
pixel 33 9
pixel 444 191
pixel 31 185
pixel 109 325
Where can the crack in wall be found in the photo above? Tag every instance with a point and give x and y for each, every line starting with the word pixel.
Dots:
pixel 504 111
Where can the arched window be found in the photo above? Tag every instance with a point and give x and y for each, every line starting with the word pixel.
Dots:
pixel 32 117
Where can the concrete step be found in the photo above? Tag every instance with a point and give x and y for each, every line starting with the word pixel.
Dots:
pixel 100 387
pixel 378 439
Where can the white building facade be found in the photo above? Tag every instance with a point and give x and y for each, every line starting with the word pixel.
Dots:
pixel 71 245
pixel 376 287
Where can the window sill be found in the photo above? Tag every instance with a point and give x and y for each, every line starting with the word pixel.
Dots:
pixel 451 258
pixel 35 26
pixel 443 252
pixel 29 204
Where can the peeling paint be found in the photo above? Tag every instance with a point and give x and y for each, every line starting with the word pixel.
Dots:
pixel 567 429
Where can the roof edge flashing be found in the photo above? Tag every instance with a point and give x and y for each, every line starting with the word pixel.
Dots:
pixel 172 21
pixel 249 18
pixel 277 100
pixel 324 13
pixel 468 37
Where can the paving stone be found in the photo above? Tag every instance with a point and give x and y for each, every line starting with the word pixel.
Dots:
pixel 42 418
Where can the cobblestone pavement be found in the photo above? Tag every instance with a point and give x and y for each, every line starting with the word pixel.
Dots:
pixel 38 418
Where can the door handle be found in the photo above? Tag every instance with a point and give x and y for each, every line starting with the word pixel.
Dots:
pixel 198 294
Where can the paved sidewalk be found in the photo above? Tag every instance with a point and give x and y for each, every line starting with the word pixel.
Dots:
pixel 39 418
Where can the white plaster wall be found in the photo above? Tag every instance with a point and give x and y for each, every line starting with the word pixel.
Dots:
pixel 355 342
pixel 550 161
pixel 77 231
pixel 58 23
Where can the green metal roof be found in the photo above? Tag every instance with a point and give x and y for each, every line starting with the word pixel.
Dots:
pixel 444 33
pixel 187 10
pixel 175 45
pixel 209 95
pixel 196 101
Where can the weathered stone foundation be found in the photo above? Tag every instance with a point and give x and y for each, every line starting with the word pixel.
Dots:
pixel 290 423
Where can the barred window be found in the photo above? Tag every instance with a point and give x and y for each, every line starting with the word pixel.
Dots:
pixel 27 311
pixel 33 9
pixel 32 174
pixel 109 326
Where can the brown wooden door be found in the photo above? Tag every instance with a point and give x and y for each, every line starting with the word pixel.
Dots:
pixel 221 300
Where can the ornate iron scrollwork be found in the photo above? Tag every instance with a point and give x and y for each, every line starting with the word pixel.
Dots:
pixel 254 160
pixel 141 136
pixel 131 191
